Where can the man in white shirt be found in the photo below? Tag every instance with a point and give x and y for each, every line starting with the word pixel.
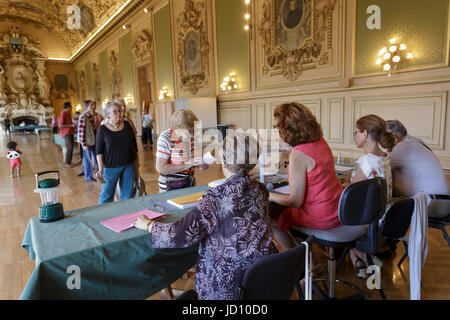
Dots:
pixel 416 169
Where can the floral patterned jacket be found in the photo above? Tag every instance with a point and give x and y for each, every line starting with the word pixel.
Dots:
pixel 232 226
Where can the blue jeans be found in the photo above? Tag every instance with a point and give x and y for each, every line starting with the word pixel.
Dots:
pixel 87 162
pixel 125 175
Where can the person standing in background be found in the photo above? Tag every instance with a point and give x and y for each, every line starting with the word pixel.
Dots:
pixel 117 157
pixel 54 124
pixel 86 139
pixel 67 131
pixel 147 126
pixel 7 125
pixel 97 117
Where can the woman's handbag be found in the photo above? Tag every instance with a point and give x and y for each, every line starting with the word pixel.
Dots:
pixel 180 184
pixel 139 186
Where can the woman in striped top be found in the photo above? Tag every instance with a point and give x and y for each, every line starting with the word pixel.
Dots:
pixel 175 153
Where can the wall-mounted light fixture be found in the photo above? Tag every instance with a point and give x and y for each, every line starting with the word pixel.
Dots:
pixel 78 108
pixel 393 56
pixel 104 103
pixel 229 83
pixel 164 94
pixel 129 100
pixel 247 16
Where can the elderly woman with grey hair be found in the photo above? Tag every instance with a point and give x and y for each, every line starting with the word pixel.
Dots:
pixel 116 154
pixel 231 224
pixel 175 153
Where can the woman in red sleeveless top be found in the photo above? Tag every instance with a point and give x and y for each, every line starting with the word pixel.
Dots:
pixel 314 187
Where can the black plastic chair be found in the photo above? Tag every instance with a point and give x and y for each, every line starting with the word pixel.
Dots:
pixel 361 203
pixel 273 277
pixel 395 224
pixel 441 223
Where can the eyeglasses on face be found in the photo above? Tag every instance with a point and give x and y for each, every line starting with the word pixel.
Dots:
pixel 356 132
pixel 116 111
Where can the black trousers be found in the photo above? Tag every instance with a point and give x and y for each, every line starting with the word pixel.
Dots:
pixel 68 138
pixel 147 135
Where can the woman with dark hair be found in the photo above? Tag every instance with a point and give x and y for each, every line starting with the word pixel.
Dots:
pixel 371 132
pixel 314 187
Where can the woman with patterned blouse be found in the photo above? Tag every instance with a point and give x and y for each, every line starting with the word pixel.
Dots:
pixel 231 224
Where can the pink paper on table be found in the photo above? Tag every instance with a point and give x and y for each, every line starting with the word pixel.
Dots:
pixel 122 223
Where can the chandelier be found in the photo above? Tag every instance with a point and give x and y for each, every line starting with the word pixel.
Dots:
pixel 392 56
pixel 229 83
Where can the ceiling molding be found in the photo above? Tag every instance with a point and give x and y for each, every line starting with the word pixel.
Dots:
pixel 112 26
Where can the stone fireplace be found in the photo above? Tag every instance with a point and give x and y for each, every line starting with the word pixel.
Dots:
pixel 24 87
pixel 27 119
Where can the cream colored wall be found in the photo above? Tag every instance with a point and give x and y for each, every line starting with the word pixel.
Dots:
pixel 136 23
pixel 418 98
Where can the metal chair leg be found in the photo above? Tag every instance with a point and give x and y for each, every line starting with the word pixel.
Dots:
pixel 342 259
pixel 445 234
pixel 405 255
pixel 331 274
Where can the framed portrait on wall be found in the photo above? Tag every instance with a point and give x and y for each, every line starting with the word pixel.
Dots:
pixel 192 49
pixel 292 23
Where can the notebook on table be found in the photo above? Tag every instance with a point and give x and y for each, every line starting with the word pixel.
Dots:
pixel 123 222
pixel 188 201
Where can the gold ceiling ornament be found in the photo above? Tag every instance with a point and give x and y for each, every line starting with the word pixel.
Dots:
pixel 296 35
pixel 142 45
pixel 24 87
pixel 53 16
pixel 193 47
pixel 393 56
pixel 97 82
pixel 115 76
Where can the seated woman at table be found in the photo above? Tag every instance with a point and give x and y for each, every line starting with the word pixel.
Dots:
pixel 370 132
pixel 314 187
pixel 231 224
pixel 116 151
pixel 175 157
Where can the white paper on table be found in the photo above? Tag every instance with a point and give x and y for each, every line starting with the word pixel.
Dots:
pixel 342 169
pixel 208 158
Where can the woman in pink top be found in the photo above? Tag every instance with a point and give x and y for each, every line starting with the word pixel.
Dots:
pixel 314 187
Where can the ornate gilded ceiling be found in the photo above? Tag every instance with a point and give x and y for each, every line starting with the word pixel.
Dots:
pixel 51 16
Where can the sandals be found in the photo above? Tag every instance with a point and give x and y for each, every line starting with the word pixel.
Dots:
pixel 361 271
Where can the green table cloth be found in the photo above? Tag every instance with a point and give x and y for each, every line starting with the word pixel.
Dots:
pixel 112 265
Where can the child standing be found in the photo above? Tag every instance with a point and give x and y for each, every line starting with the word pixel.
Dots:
pixel 14 158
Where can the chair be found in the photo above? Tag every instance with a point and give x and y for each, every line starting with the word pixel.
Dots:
pixel 361 204
pixel 273 277
pixel 395 224
pixel 441 223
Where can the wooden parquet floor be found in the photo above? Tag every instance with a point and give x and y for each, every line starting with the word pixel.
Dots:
pixel 18 203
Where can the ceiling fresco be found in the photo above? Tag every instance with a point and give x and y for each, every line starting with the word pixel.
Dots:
pixel 49 18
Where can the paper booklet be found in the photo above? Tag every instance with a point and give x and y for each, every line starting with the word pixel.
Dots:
pixel 122 223
pixel 188 201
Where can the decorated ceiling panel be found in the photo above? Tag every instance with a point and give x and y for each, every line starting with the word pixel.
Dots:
pixel 68 22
